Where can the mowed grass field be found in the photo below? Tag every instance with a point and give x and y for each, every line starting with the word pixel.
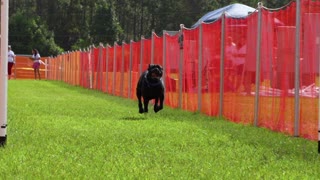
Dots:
pixel 57 131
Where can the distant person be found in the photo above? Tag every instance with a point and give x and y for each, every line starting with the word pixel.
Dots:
pixel 11 61
pixel 239 62
pixel 230 56
pixel 36 63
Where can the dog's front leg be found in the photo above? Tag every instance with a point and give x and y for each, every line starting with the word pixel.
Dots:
pixel 140 106
pixel 146 103
pixel 139 102
pixel 159 107
pixel 161 102
pixel 156 107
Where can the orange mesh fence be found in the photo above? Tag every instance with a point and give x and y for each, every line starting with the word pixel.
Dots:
pixel 103 69
pixel 190 69
pixel 136 55
pixel 237 104
pixel 172 55
pixel 146 56
pixel 126 71
pixel 211 50
pixel 269 94
pixel 116 70
pixel 22 69
pixel 110 68
pixel 157 49
pixel 309 69
pixel 84 70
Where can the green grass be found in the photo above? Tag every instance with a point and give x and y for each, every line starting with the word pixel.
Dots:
pixel 57 131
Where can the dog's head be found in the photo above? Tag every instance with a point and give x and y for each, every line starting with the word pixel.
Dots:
pixel 155 72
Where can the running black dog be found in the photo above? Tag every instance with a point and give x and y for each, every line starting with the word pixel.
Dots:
pixel 150 86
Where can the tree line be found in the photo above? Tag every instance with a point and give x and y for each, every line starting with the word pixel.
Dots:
pixel 55 26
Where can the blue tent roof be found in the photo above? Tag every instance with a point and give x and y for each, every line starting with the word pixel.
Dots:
pixel 235 10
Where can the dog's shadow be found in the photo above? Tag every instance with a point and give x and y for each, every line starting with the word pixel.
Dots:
pixel 133 118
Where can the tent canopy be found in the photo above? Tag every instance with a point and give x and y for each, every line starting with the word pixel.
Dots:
pixel 235 10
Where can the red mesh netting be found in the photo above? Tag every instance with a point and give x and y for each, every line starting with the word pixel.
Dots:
pixel 211 50
pixel 172 55
pixel 110 64
pixel 126 70
pixel 190 69
pixel 146 50
pixel 117 71
pixel 158 49
pixel 136 56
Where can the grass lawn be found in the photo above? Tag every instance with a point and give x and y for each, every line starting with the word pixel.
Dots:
pixel 57 131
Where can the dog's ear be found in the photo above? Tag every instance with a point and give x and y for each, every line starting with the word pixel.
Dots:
pixel 150 67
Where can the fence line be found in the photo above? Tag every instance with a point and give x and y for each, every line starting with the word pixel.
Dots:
pixel 250 70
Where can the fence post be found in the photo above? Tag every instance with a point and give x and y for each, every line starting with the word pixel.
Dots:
pixel 164 57
pixel 258 69
pixel 180 65
pixel 100 66
pixel 318 43
pixel 107 67
pixel 114 67
pixel 90 67
pixel 223 23
pixel 130 70
pixel 141 55
pixel 122 68
pixel 297 71
pixel 62 67
pixel 152 47
pixel 46 69
pixel 200 69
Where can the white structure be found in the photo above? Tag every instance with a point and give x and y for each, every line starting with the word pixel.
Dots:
pixel 3 70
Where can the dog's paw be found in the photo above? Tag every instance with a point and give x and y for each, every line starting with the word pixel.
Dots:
pixel 141 111
pixel 157 109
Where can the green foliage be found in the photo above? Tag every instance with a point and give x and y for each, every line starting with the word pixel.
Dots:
pixel 58 131
pixel 105 27
pixel 27 33
pixel 78 23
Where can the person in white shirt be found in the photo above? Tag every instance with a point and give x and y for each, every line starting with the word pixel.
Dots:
pixel 11 61
pixel 36 63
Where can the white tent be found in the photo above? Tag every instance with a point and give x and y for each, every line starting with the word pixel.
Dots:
pixel 235 10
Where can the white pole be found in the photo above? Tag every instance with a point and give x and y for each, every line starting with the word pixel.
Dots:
pixel 222 55
pixel 164 54
pixel 107 67
pixel 130 70
pixel 258 65
pixel 297 72
pixel 122 68
pixel 181 66
pixel 114 68
pixel 200 68
pixel 152 47
pixel 318 43
pixel 3 71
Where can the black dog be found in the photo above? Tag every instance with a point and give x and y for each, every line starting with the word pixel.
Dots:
pixel 150 86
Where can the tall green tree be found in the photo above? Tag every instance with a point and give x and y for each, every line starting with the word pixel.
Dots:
pixel 79 23
pixel 105 27
pixel 27 33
